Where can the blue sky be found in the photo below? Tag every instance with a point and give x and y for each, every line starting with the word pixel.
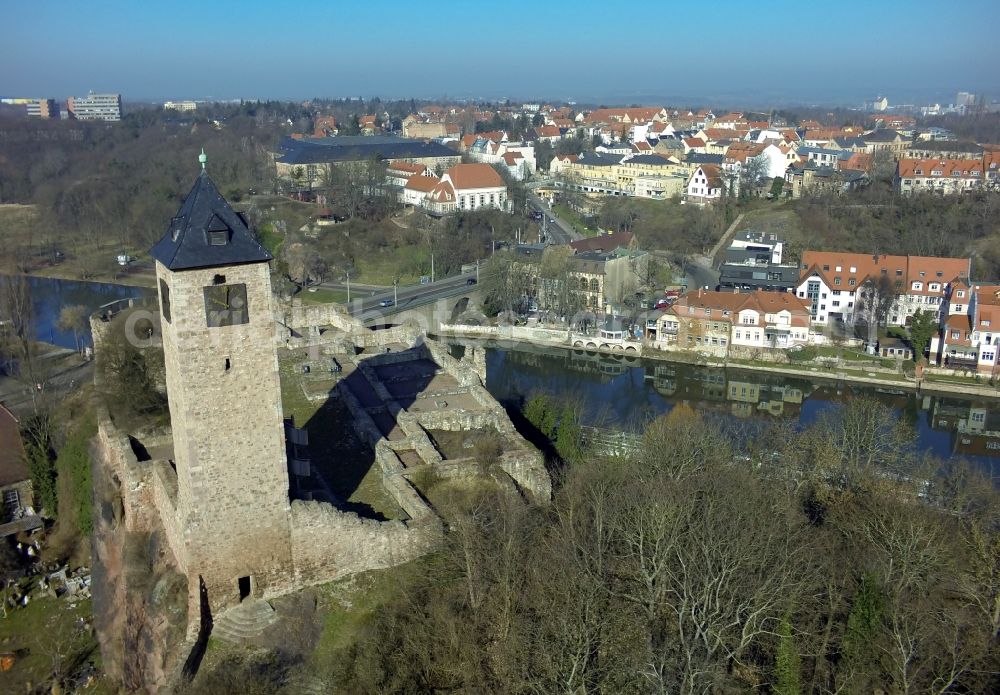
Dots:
pixel 716 52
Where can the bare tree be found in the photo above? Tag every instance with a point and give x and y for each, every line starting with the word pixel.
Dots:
pixel 73 318
pixel 874 300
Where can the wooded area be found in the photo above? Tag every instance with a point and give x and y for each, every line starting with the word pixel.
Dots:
pixel 811 562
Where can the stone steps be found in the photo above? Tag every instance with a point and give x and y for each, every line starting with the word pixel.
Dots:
pixel 244 622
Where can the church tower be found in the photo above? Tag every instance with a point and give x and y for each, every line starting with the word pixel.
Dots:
pixel 232 521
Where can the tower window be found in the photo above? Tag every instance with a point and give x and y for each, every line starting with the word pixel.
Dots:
pixel 165 301
pixel 219 280
pixel 218 238
pixel 228 364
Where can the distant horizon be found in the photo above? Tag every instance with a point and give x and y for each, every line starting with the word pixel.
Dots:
pixel 747 55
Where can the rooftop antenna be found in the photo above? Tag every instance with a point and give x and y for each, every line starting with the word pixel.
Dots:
pixel 202 158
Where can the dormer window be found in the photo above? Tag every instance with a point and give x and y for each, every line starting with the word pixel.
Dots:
pixel 917 286
pixel 219 237
pixel 854 269
pixel 918 172
pixel 934 287
pixel 960 294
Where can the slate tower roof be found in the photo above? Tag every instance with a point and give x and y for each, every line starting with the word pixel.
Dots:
pixel 207 232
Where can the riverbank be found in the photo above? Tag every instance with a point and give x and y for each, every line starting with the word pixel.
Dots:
pixel 140 277
pixel 510 336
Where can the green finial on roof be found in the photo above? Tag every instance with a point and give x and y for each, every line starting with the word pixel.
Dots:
pixel 203 158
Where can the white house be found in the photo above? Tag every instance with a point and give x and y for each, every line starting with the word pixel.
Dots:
pixel 468 187
pixel 705 185
pixel 830 281
pixel 417 188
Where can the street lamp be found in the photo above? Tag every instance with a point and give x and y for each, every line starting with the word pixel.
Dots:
pixel 395 285
pixel 348 287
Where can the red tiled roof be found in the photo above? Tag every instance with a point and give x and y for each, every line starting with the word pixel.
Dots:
pixel 940 168
pixel 13 468
pixel 475 175
pixel 420 183
pixel 604 242
pixel 407 167
pixel 905 269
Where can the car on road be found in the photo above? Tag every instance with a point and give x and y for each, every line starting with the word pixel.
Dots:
pixel 386 302
pixel 471 281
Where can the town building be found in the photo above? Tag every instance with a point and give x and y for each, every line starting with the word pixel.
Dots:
pixel 35 108
pixel 312 157
pixel 887 140
pixel 179 106
pixel 706 185
pixel 810 179
pixel 970 332
pixel 472 186
pixel 15 478
pixel 713 322
pixel 942 176
pixel 95 107
pixel 753 261
pixel 831 280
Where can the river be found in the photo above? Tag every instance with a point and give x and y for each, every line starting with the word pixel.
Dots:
pixel 50 295
pixel 627 392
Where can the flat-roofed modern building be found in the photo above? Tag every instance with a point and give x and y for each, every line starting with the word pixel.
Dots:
pixel 95 107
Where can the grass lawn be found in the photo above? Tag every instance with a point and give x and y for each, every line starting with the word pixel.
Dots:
pixel 322 295
pixel 44 633
pixel 380 267
pixel 347 464
pixel 963 380
pixel 350 603
pixel 573 219
pixel 844 353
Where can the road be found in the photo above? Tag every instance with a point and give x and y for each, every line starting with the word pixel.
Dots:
pixel 557 230
pixel 407 297
pixel 700 272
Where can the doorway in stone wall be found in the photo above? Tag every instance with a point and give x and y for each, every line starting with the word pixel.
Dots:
pixel 246 587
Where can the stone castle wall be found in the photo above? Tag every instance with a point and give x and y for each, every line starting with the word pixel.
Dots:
pixel 328 544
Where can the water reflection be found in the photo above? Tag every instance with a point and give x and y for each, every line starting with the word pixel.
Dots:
pixel 627 392
pixel 50 295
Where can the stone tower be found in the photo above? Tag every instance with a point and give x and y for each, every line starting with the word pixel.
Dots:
pixel 232 527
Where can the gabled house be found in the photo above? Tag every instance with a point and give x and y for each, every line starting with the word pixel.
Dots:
pixel 706 185
pixel 15 478
pixel 559 162
pixel 693 145
pixel 399 172
pixel 713 322
pixel 942 176
pixel 417 189
pixel 970 339
pixel 831 280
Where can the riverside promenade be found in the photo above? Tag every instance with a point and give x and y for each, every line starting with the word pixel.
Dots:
pixel 510 337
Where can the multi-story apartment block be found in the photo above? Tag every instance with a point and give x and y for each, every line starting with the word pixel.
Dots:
pixel 943 176
pixel 95 107
pixel 970 331
pixel 35 108
pixel 831 280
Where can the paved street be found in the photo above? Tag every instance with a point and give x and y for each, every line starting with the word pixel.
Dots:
pixel 557 230
pixel 406 297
